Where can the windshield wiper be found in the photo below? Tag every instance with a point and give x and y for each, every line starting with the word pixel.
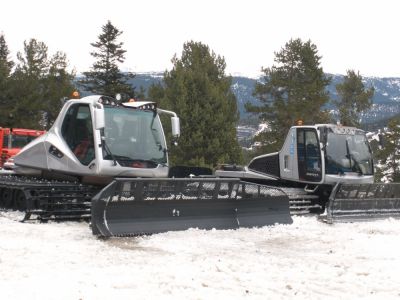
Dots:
pixel 352 158
pixel 108 151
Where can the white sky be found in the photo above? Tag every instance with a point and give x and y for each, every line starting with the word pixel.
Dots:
pixel 349 34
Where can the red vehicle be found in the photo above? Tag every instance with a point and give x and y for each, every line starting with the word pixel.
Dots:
pixel 12 140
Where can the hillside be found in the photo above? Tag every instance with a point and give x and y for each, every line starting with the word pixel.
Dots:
pixel 386 99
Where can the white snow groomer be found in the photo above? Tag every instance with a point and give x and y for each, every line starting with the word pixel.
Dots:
pixel 99 143
pixel 331 166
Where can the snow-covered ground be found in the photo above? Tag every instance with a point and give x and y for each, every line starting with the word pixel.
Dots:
pixel 305 260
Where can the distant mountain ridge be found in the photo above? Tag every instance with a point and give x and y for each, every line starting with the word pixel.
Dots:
pixel 386 101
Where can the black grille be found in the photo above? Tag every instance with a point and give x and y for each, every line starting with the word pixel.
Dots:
pixel 266 164
pixel 132 206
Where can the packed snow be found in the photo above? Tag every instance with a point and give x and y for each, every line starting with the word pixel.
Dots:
pixel 307 260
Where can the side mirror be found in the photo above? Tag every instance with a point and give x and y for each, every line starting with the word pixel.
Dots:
pixel 99 118
pixel 176 127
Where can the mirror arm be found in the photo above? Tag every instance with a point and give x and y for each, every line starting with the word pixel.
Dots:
pixel 167 112
pixel 174 122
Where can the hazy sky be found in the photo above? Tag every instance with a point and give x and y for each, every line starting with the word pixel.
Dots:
pixel 349 34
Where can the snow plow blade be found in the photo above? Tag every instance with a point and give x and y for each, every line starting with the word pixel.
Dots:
pixel 136 206
pixel 363 202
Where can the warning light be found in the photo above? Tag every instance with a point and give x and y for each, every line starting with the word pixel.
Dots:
pixel 75 95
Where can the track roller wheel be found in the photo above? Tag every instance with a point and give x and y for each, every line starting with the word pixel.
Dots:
pixel 1 198
pixel 20 200
pixel 7 197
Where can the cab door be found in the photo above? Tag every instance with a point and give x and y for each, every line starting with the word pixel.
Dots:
pixel 309 155
pixel 77 132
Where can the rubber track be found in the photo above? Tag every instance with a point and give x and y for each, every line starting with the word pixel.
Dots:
pixel 46 200
pixel 301 202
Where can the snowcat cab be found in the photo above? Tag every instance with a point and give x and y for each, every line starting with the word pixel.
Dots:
pixel 320 154
pixel 97 138
pixel 323 154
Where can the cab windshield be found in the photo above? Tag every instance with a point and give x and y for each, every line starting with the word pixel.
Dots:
pixel 133 136
pixel 348 153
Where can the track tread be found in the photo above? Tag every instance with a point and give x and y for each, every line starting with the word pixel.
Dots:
pixel 50 200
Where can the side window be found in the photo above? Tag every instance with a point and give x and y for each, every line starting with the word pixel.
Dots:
pixel 77 131
pixel 312 152
pixel 286 162
pixel 300 145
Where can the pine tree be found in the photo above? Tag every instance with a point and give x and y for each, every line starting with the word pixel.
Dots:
pixel 354 98
pixel 27 84
pixel 292 89
pixel 198 90
pixel 105 78
pixel 58 84
pixel 388 156
pixel 37 86
pixel 6 66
